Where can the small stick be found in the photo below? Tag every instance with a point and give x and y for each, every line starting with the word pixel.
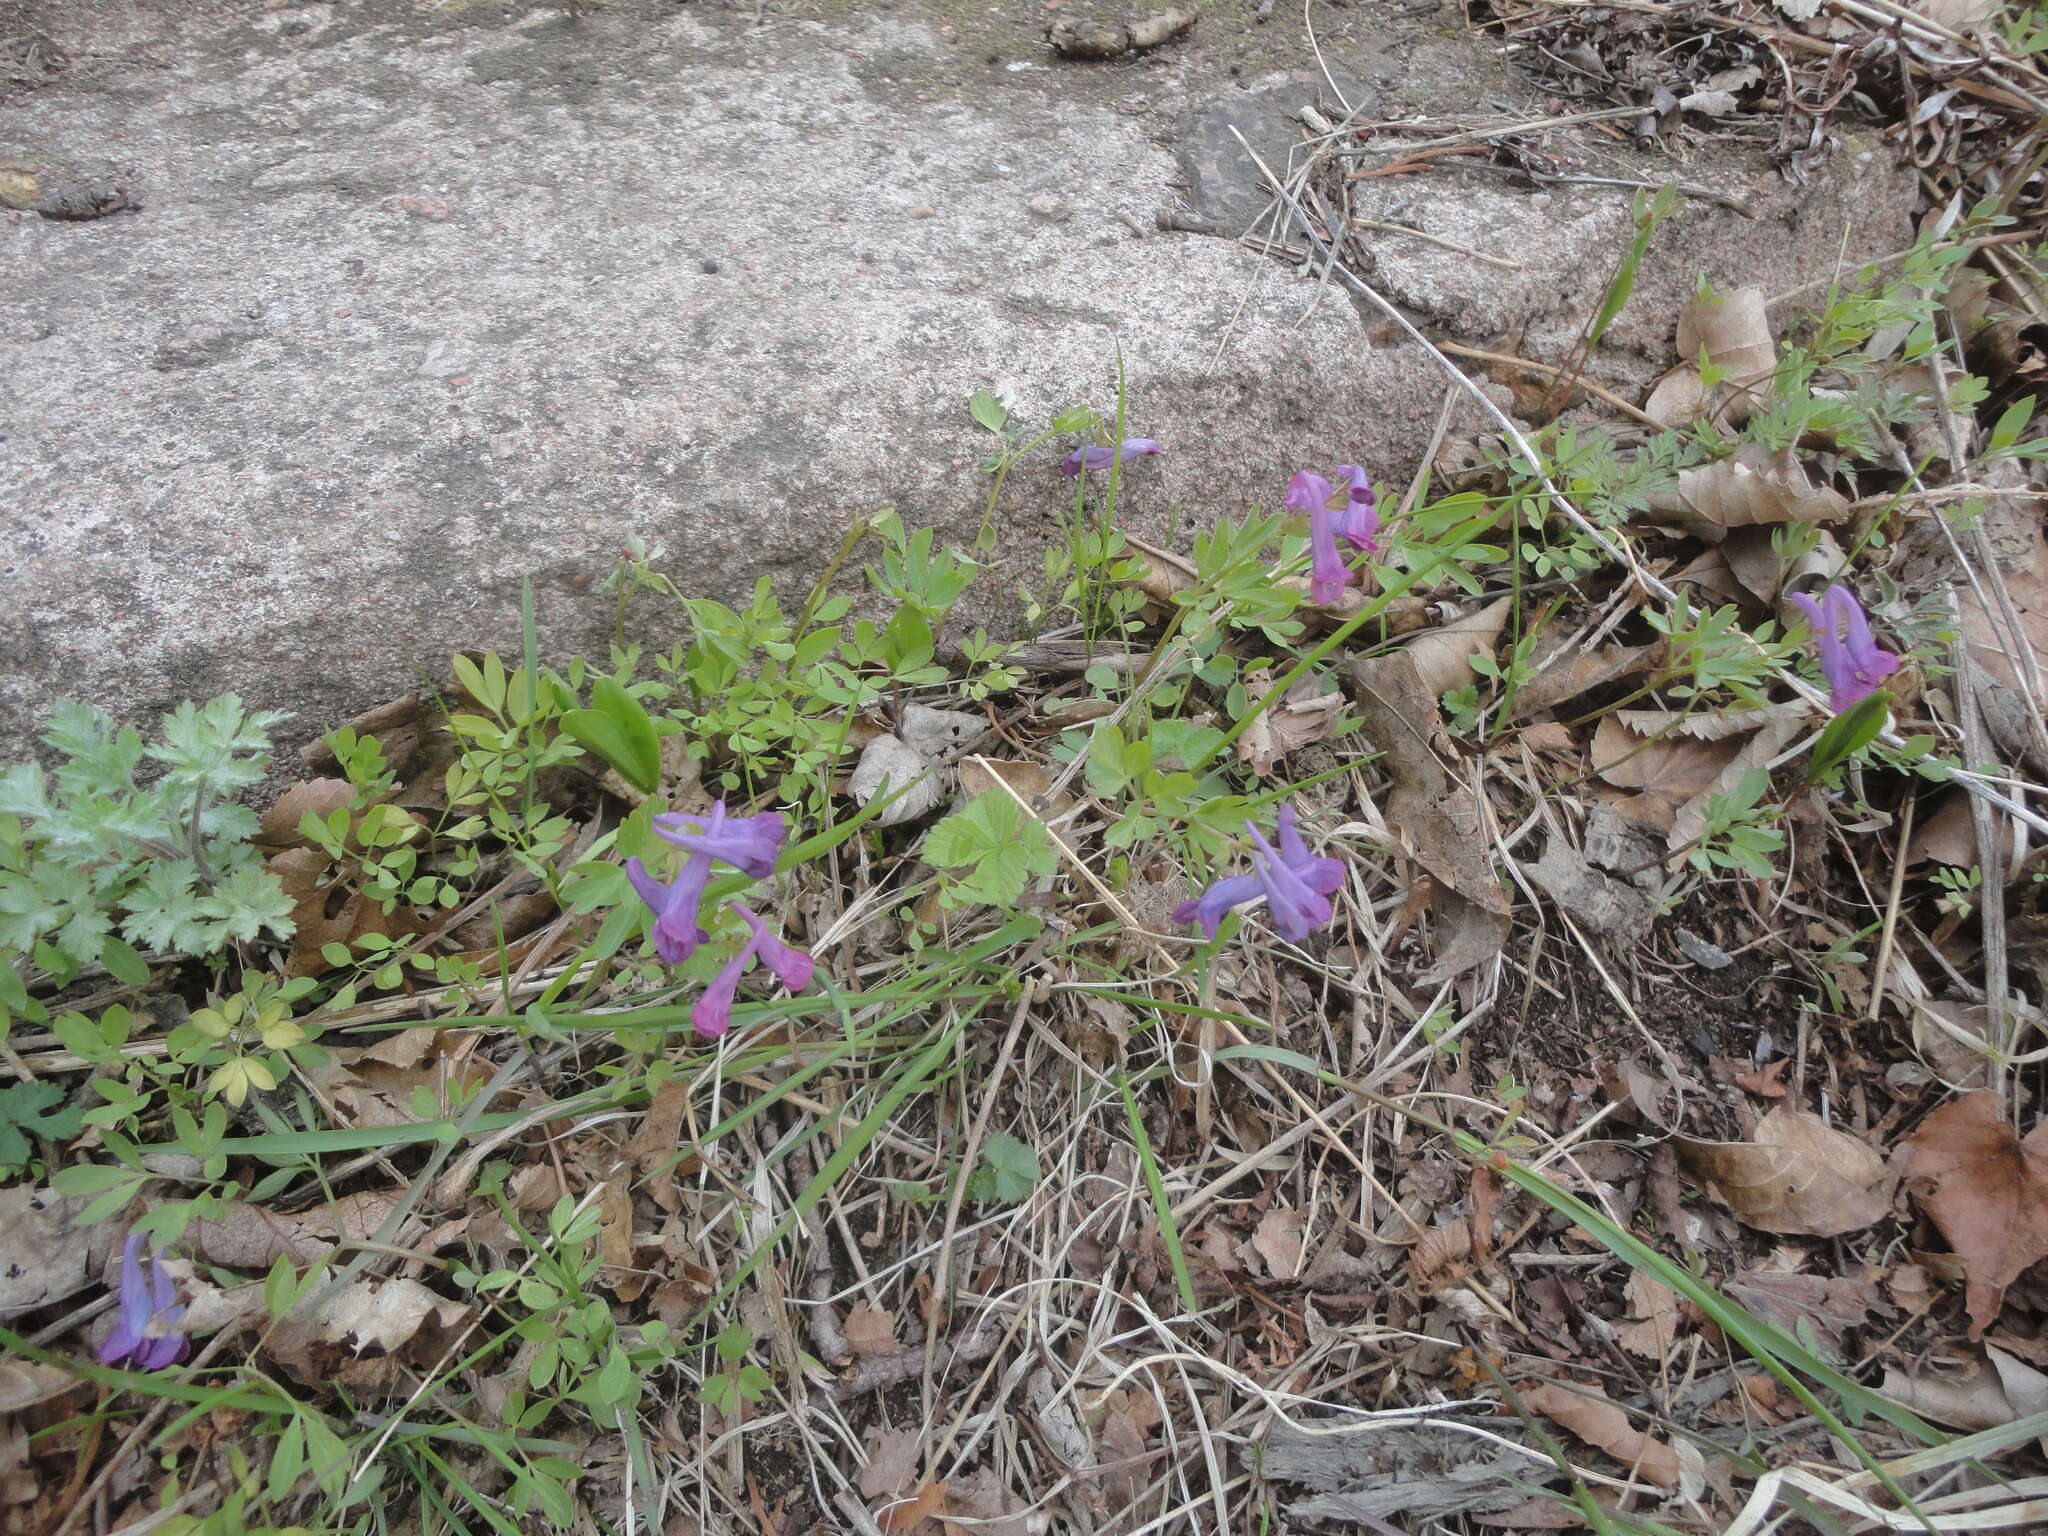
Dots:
pixel 1704 194
pixel 1450 245
pixel 1551 370
pixel 1474 136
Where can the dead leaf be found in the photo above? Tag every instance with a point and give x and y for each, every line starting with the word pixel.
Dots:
pixel 1027 779
pixel 1301 718
pixel 280 827
pixel 43 1257
pixel 1765 1083
pixel 1964 16
pixel 1668 770
pixel 660 1132
pixel 1751 486
pixel 255 1237
pixel 1654 1313
pixel 1774 732
pixel 1443 656
pixel 1708 103
pixel 1278 1241
pixel 889 763
pixel 1949 836
pixel 1799 1175
pixel 870 1331
pixel 892 1462
pixel 1732 329
pixel 1987 1190
pixel 1587 1413
pixel 992 1508
pixel 1577 672
pixel 1989 1389
pixel 1437 817
pixel 1830 1305
pixel 330 909
pixel 908 1514
pixel 615 1239
pixel 25 1383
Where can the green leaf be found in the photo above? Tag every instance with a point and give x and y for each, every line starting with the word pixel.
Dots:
pixel 1849 733
pixel 988 410
pixel 988 851
pixel 619 730
pixel 30 1108
pixel 122 962
pixel 1008 1171
pixel 244 905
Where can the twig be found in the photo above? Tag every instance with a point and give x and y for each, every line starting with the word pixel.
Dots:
pixel 1481 135
pixel 1702 194
pixel 1450 245
pixel 1551 370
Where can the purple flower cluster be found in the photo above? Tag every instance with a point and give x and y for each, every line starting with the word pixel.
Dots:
pixel 1854 664
pixel 146 1333
pixel 748 843
pixel 1297 885
pixel 1096 457
pixel 1348 511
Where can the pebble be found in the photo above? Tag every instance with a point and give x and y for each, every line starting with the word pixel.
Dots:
pixel 446 359
pixel 1052 209
pixel 922 211
pixel 1540 200
pixel 709 267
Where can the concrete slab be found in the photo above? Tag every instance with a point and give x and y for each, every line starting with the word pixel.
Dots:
pixel 422 300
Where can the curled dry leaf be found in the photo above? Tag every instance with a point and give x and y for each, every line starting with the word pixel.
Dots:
pixel 1990 1388
pixel 1732 329
pixel 1028 780
pixel 1443 656
pixel 1575 672
pixel 1751 486
pixel 1798 1176
pixel 1668 770
pixel 1438 817
pixel 1987 1190
pixel 1302 717
pixel 888 763
pixel 1587 1413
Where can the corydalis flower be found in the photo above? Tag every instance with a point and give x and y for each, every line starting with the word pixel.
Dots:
pixel 712 1015
pixel 1096 457
pixel 1853 663
pixel 1349 512
pixel 748 843
pixel 146 1332
pixel 1296 884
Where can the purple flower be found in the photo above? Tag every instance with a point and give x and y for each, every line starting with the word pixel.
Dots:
pixel 749 843
pixel 146 1333
pixel 1351 514
pixel 676 934
pixel 1095 456
pixel 712 1014
pixel 1853 663
pixel 1297 885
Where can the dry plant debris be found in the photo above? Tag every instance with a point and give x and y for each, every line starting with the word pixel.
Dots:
pixel 1436 1006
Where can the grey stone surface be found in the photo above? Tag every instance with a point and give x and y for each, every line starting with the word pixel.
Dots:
pixel 425 299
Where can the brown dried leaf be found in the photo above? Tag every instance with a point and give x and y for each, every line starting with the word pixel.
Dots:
pixel 327 909
pixel 1751 486
pixel 1301 718
pixel 1799 1175
pixel 892 1462
pixel 992 1507
pixel 887 765
pixel 870 1331
pixel 43 1256
pixel 1443 656
pixel 252 1237
pixel 1278 1241
pixel 1987 1190
pixel 1988 1390
pixel 1654 1314
pixel 280 827
pixel 1830 1304
pixel 1438 817
pixel 1027 779
pixel 908 1514
pixel 1587 1413
pixel 1574 673
pixel 1669 770
pixel 24 1383
pixel 1735 332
